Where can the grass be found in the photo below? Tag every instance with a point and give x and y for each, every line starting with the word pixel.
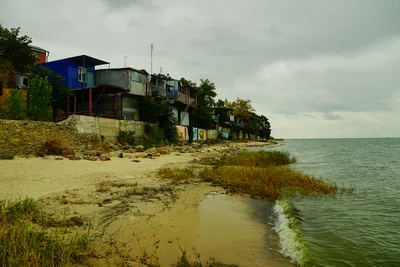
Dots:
pixel 258 159
pixel 259 174
pixel 23 243
pixel 176 174
pixel 183 261
pixel 6 156
pixel 269 183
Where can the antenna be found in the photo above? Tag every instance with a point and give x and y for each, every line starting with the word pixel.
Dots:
pixel 125 57
pixel 151 58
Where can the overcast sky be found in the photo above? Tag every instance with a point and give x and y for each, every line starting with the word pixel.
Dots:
pixel 315 68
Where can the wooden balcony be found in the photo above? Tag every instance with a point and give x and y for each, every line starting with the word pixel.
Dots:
pixel 187 100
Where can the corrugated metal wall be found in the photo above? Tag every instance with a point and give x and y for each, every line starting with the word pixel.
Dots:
pixel 114 77
pixel 130 107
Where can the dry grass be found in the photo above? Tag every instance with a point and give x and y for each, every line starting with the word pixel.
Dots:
pixel 23 243
pixel 151 260
pixel 258 159
pixel 176 174
pixel 103 187
pixel 53 147
pixel 270 182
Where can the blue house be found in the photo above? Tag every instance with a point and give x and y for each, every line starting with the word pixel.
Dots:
pixel 78 72
pixel 79 75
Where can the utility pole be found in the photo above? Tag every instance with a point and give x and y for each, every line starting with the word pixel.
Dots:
pixel 125 57
pixel 151 58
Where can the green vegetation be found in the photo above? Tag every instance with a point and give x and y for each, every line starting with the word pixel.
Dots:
pixel 270 182
pixel 276 139
pixel 259 174
pixel 6 156
pixel 258 159
pixel 176 174
pixel 206 93
pixel 242 108
pixel 15 106
pixel 24 243
pixel 15 50
pixel 61 91
pixel 156 112
pixel 183 261
pixel 39 99
pixel 126 138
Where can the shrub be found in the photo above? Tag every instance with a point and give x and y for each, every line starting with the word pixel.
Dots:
pixel 21 244
pixel 271 182
pixel 176 174
pixel 15 106
pixel 53 147
pixel 126 137
pixel 39 100
pixel 258 159
pixel 6 156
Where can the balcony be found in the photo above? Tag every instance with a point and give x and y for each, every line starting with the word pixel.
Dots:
pixel 187 100
pixel 156 91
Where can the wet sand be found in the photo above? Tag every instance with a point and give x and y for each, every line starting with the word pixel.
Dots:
pixel 161 218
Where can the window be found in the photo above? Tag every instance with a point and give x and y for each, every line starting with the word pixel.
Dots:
pixel 82 74
pixel 136 77
pixel 25 82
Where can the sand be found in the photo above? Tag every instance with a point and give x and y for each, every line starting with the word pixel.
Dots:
pixel 161 218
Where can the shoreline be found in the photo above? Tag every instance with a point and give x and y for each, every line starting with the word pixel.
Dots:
pixel 125 199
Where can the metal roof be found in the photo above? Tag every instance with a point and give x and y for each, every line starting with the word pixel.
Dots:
pixel 91 61
pixel 37 48
pixel 143 71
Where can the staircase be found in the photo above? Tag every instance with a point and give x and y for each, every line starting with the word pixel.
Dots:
pixel 186 110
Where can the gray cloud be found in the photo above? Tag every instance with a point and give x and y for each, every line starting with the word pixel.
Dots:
pixel 121 4
pixel 289 57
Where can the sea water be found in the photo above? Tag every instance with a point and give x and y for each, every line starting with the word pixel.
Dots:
pixel 357 229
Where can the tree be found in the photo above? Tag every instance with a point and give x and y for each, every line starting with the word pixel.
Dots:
pixel 39 99
pixel 60 91
pixel 160 113
pixel 15 50
pixel 242 108
pixel 264 127
pixel 15 106
pixel 220 103
pixel 206 93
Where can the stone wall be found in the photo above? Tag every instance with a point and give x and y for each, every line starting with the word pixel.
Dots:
pixel 108 129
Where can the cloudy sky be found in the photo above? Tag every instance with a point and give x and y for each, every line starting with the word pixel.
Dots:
pixel 315 68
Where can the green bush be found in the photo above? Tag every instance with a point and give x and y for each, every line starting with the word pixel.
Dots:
pixel 39 100
pixel 15 106
pixel 126 137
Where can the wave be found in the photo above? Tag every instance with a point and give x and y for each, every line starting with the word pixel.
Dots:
pixel 287 226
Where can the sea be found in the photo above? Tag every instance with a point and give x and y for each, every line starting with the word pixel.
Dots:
pixel 352 229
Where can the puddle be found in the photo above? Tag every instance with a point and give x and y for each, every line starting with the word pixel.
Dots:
pixel 235 231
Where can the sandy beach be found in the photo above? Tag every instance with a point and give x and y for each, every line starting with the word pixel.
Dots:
pixel 133 211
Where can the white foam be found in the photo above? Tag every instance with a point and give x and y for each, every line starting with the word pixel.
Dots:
pixel 289 239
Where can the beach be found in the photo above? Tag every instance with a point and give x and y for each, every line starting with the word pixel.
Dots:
pixel 133 212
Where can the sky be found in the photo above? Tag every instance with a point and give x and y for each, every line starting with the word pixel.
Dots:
pixel 315 68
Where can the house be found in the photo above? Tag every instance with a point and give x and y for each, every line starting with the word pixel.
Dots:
pixel 79 76
pixel 10 79
pixel 133 81
pixel 182 98
pixel 41 54
pixel 138 83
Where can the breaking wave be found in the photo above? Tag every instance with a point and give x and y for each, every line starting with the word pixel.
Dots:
pixel 287 226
